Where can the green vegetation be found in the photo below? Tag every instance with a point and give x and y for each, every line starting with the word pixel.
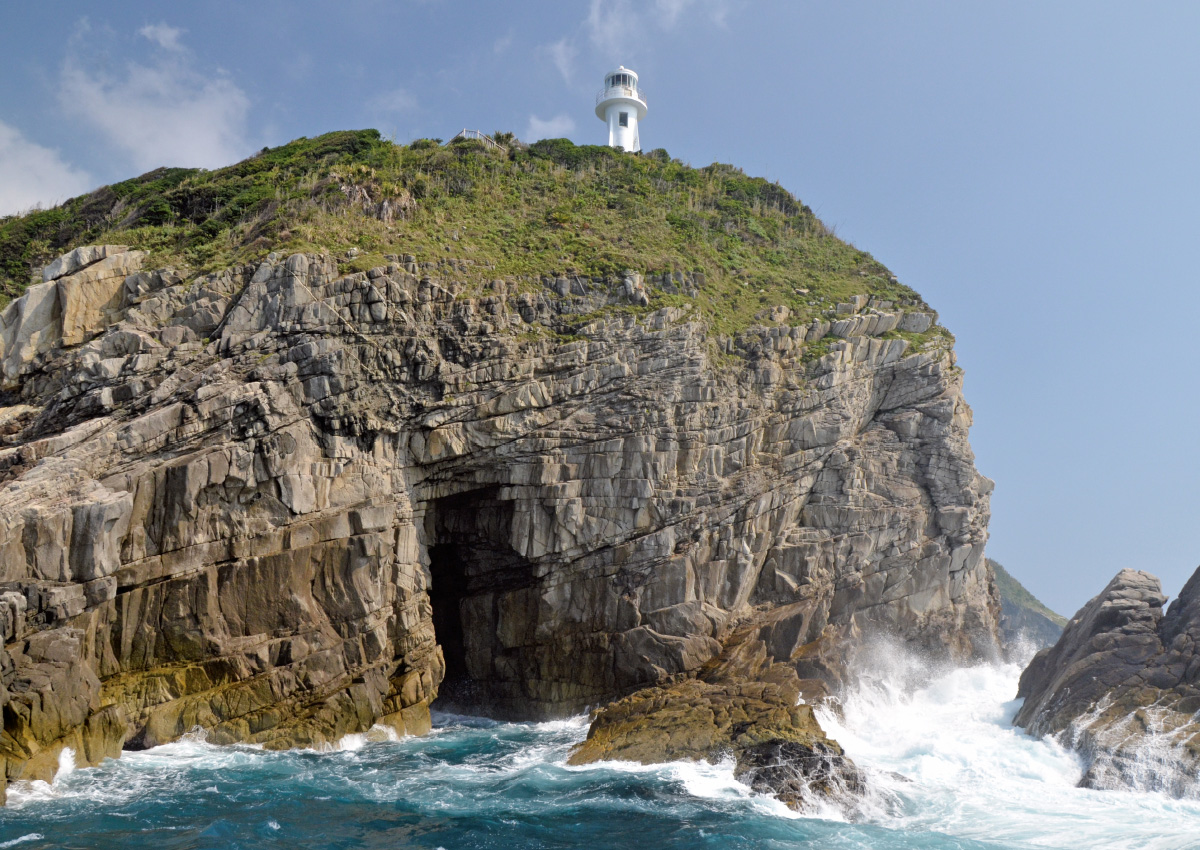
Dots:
pixel 1015 592
pixel 553 207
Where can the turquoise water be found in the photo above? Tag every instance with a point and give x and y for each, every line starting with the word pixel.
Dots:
pixel 969 781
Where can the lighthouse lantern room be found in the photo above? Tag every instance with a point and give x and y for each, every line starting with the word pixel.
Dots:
pixel 621 105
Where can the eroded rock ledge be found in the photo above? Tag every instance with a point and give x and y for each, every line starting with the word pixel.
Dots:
pixel 744 706
pixel 283 503
pixel 1122 686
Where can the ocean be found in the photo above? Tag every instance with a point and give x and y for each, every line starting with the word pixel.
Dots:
pixel 948 769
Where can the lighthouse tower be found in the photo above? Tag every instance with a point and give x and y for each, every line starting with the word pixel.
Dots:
pixel 621 105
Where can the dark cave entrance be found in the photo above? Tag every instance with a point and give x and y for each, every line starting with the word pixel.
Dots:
pixel 473 569
pixel 446 594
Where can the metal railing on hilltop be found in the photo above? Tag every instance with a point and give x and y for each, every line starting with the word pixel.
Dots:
pixel 478 136
pixel 620 91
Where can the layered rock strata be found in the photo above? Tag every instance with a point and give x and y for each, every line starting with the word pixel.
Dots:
pixel 1122 686
pixel 282 503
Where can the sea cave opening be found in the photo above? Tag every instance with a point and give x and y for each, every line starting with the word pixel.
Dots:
pixel 473 568
pixel 447 591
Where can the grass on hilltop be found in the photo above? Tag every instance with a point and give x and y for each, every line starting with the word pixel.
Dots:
pixel 552 207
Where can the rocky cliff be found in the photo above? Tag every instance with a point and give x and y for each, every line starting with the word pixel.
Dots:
pixel 284 500
pixel 1122 686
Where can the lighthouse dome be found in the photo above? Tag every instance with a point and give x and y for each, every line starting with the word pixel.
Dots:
pixel 621 77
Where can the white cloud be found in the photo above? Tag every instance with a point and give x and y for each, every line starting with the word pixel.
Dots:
pixel 164 113
pixel 615 26
pixel 610 23
pixel 500 46
pixel 617 30
pixel 562 52
pixel 396 100
pixel 31 174
pixel 670 10
pixel 164 35
pixel 557 127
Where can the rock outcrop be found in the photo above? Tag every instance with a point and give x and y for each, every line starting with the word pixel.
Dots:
pixel 283 503
pixel 1122 686
pixel 744 706
pixel 76 299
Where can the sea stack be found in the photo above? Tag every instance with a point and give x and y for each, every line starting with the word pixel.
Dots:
pixel 1122 686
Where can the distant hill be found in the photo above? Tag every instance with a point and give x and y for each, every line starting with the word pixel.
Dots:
pixel 1022 615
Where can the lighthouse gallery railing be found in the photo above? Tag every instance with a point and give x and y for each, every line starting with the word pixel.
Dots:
pixel 620 91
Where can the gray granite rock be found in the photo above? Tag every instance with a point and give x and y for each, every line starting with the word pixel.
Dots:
pixel 82 293
pixel 283 504
pixel 916 323
pixel 1122 685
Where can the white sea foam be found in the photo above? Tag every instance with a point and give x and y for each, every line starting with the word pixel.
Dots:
pixel 715 782
pixel 577 725
pixel 66 764
pixel 357 740
pixel 132 777
pixel 942 743
pixel 22 792
pixel 938 746
pixel 1145 750
pixel 33 836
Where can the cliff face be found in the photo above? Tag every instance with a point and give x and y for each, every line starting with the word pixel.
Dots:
pixel 283 504
pixel 1122 686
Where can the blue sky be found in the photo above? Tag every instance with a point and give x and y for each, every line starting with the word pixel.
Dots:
pixel 1029 167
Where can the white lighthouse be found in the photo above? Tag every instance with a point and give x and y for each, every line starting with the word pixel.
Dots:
pixel 621 105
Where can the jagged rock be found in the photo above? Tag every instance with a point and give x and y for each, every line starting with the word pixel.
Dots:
pixel 73 261
pixel 81 292
pixel 283 504
pixel 1122 685
pixel 698 720
pixel 634 289
pixel 916 323
pixel 804 776
pixel 743 705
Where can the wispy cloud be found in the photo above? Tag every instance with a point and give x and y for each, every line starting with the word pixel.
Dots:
pixel 396 100
pixel 562 53
pixel 501 45
pixel 164 35
pixel 550 128
pixel 31 174
pixel 617 30
pixel 166 112
pixel 670 10
pixel 608 23
pixel 622 25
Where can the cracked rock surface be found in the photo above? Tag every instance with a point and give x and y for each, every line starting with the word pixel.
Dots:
pixel 1122 686
pixel 283 503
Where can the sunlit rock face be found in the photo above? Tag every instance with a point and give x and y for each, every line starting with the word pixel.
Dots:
pixel 1122 685
pixel 283 504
